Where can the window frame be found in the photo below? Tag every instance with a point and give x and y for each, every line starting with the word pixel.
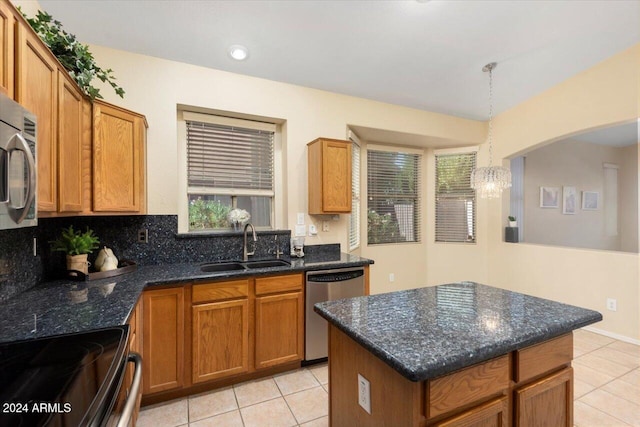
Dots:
pixel 184 114
pixel 446 152
pixel 419 222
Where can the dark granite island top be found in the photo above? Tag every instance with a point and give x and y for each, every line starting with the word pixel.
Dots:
pixel 428 332
pixel 461 354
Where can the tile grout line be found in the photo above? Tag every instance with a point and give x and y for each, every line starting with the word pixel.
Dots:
pixel 608 414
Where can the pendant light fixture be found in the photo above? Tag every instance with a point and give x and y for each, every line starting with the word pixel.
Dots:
pixel 490 181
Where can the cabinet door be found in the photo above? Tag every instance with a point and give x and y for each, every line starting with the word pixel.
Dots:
pixel 492 414
pixel 37 91
pixel 7 22
pixel 163 339
pixel 118 160
pixel 546 402
pixel 220 337
pixel 279 329
pixel 71 173
pixel 336 177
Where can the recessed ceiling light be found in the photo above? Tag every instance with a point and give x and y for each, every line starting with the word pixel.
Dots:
pixel 238 52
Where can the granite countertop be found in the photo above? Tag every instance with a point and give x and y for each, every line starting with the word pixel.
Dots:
pixel 428 332
pixel 63 306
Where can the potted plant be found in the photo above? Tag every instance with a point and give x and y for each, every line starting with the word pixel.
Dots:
pixel 77 245
pixel 512 221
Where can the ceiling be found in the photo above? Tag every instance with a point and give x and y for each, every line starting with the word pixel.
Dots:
pixel 421 54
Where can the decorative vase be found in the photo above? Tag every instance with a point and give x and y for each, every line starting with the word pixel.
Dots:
pixel 513 223
pixel 78 262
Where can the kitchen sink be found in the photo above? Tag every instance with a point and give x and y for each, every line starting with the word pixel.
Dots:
pixel 237 265
pixel 221 266
pixel 266 264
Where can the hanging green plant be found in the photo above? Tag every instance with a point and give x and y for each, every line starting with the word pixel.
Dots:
pixel 72 54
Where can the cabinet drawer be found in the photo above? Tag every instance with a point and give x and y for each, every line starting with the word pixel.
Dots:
pixel 218 291
pixel 544 357
pixel 467 386
pixel 274 284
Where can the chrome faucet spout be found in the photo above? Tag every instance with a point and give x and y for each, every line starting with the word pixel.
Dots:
pixel 245 249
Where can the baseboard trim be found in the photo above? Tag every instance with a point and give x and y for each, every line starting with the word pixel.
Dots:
pixel 612 335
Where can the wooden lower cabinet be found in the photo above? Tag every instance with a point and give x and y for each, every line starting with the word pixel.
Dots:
pixel 205 335
pixel 220 333
pixel 492 414
pixel 279 330
pixel 546 402
pixel 163 339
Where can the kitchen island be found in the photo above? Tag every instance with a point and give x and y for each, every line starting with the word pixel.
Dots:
pixel 460 354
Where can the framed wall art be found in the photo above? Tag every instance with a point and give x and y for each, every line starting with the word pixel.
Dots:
pixel 569 200
pixel 549 197
pixel 590 200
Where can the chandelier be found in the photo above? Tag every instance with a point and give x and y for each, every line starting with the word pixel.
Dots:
pixel 491 180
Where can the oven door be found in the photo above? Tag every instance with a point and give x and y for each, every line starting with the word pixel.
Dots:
pixel 66 380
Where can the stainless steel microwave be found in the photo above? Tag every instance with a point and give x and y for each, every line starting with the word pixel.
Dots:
pixel 18 188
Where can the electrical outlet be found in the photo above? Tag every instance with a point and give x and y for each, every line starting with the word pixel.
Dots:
pixel 325 225
pixel 612 304
pixel 364 393
pixel 300 220
pixel 392 277
pixel 143 235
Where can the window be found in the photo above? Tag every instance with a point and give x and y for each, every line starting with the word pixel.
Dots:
pixel 455 199
pixel 393 208
pixel 354 220
pixel 230 164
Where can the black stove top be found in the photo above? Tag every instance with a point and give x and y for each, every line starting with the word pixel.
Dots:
pixel 66 380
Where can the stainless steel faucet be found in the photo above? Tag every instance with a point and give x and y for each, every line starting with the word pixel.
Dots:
pixel 245 252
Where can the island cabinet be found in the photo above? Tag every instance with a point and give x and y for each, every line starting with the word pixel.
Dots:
pixel 529 387
pixel 211 334
pixel 329 169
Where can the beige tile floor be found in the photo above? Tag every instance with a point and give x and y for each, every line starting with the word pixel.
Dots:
pixel 606 393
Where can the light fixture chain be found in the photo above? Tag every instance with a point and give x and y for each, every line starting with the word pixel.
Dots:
pixel 490 115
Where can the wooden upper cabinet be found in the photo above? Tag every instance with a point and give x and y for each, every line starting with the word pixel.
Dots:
pixel 329 176
pixel 7 47
pixel 37 91
pixel 71 170
pixel 119 139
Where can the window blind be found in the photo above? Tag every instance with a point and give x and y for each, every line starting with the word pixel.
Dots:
pixel 229 157
pixel 393 213
pixel 455 199
pixel 354 220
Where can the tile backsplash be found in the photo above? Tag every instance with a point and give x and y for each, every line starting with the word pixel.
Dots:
pixel 20 270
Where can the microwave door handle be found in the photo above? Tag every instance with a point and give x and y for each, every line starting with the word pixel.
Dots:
pixel 18 143
pixel 5 179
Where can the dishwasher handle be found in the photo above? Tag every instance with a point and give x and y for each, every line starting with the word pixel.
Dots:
pixel 130 404
pixel 335 277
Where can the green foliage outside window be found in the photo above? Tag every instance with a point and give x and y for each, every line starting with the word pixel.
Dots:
pixel 208 214
pixel 381 228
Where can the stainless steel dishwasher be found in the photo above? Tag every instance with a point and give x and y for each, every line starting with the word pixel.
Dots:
pixel 326 285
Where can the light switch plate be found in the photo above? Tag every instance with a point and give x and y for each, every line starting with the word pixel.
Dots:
pixel 300 218
pixel 301 230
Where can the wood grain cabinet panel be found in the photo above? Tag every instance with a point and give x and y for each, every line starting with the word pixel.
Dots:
pixel 546 402
pixel 492 414
pixel 163 339
pixel 279 329
pixel 37 91
pixel 71 171
pixel 7 48
pixel 220 339
pixel 329 168
pixel 544 357
pixel 118 160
